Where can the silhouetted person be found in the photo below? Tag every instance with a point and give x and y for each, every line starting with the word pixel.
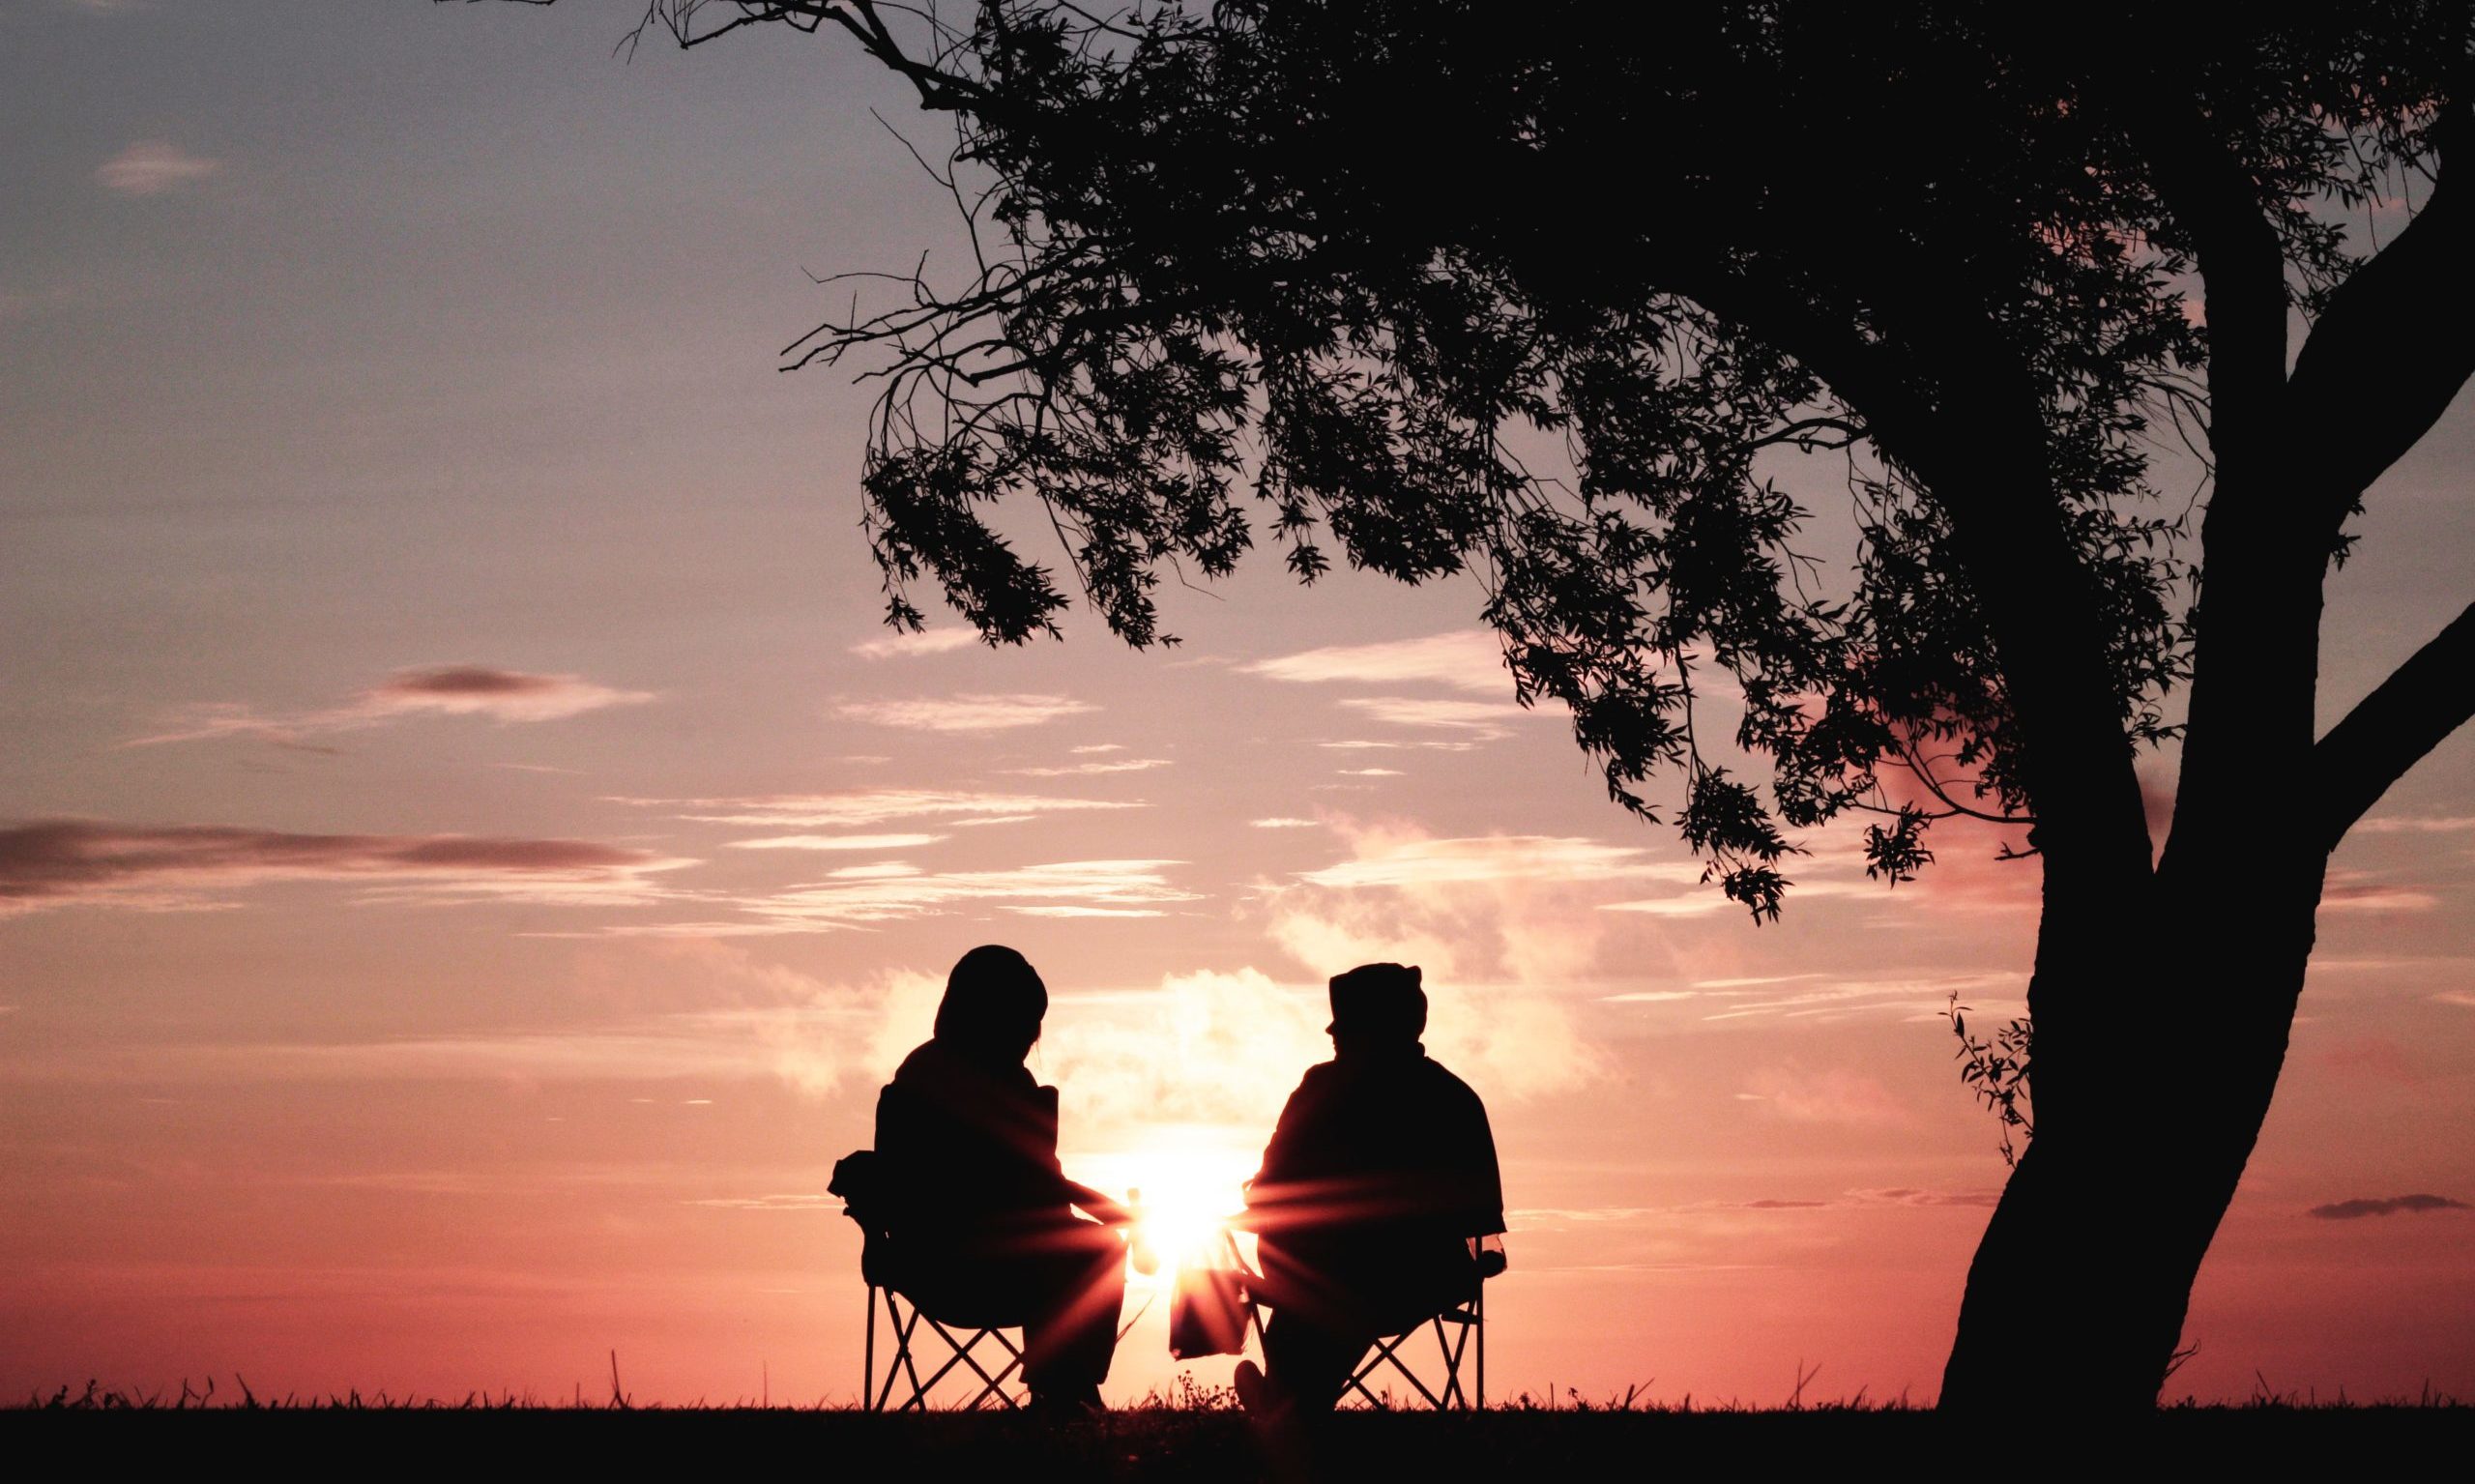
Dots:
pixel 976 1206
pixel 1380 1172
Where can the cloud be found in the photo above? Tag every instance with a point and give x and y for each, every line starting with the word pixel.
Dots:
pixel 180 867
pixel 1093 748
pixel 1086 769
pixel 1371 772
pixel 151 167
pixel 1484 717
pixel 1408 859
pixel 2390 1205
pixel 1912 996
pixel 1511 905
pixel 965 712
pixel 2349 894
pixel 1500 924
pixel 1283 822
pixel 2398 824
pixel 1465 659
pixel 838 842
pixel 504 695
pixel 935 641
pixel 862 807
pixel 507 696
pixel 1901 1195
pixel 1834 1095
pixel 895 890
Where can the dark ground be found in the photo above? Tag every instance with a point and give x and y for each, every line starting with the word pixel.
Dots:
pixel 1382 1448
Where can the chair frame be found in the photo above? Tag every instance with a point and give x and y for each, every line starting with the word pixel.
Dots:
pixel 1469 1334
pixel 1467 1340
pixel 903 1331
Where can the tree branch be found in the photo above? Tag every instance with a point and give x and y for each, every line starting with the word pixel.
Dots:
pixel 2390 729
pixel 2395 344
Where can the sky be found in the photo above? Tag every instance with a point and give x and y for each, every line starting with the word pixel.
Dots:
pixel 469 850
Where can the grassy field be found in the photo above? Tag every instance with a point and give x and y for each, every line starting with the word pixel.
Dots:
pixel 1212 1443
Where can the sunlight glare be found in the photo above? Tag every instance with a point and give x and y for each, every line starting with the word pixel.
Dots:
pixel 1192 1181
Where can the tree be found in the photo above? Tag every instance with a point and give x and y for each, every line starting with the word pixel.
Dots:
pixel 1332 261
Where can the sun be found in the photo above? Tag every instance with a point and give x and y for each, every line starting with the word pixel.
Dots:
pixel 1185 1183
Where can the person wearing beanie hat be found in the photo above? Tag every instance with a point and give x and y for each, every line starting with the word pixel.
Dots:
pixel 1380 1172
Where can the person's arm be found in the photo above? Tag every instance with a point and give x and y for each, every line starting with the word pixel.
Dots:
pixel 1271 1190
pixel 1097 1205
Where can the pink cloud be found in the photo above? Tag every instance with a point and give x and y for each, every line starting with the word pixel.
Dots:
pixel 862 807
pixel 935 641
pixel 83 862
pixel 966 712
pixel 1466 659
pixel 449 690
pixel 1832 1096
pixel 152 168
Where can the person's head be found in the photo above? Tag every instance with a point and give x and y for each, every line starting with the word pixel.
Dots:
pixel 993 1005
pixel 1377 1007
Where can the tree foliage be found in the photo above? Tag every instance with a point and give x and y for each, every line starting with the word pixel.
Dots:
pixel 1313 272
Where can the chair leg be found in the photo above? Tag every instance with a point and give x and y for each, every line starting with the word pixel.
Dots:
pixel 868 1355
pixel 962 1355
pixel 1389 1351
pixel 1452 1348
pixel 919 1392
pixel 1479 1307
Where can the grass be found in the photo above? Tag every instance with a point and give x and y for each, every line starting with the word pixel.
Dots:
pixel 1198 1434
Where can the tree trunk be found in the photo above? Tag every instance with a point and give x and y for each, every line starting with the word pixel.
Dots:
pixel 2158 1047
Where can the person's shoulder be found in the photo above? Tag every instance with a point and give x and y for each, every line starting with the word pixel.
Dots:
pixel 927 1060
pixel 1446 1082
pixel 1316 1085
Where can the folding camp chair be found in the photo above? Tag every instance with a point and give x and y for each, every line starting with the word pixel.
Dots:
pixel 1460 1335
pixel 1460 1332
pixel 860 1179
pixel 903 1321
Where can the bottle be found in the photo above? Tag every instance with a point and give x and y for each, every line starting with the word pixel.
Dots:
pixel 1146 1261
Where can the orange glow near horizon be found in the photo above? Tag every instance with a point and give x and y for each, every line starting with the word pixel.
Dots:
pixel 471 852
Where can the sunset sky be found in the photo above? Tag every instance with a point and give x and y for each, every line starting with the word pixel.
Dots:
pixel 469 851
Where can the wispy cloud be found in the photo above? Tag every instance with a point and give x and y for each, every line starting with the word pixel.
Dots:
pixel 507 696
pixel 1406 860
pixel 1830 1095
pixel 2356 892
pixel 965 712
pixel 1089 770
pixel 859 808
pixel 152 168
pixel 184 867
pixel 2402 824
pixel 1283 822
pixel 894 890
pixel 851 842
pixel 2386 1206
pixel 1465 659
pixel 1911 996
pixel 1431 712
pixel 934 641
